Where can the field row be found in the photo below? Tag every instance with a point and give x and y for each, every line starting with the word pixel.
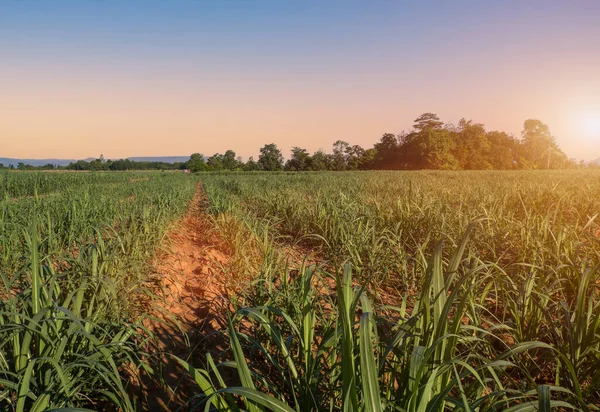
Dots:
pixel 503 314
pixel 73 267
pixel 358 290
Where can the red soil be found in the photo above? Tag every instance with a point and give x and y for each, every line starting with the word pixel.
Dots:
pixel 193 303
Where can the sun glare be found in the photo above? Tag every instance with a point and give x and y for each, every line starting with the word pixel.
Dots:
pixel 590 126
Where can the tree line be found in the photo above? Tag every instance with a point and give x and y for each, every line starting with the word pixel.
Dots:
pixel 102 164
pixel 431 144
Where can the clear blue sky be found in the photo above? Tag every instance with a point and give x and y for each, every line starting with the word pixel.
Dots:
pixel 124 78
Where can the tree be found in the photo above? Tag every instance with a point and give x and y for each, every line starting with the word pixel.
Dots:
pixel 121 164
pixel 339 155
pixel 354 157
pixel 320 161
pixel 79 165
pixel 367 160
pixel 300 160
pixel 427 121
pixel 196 163
pixel 386 152
pixel 251 165
pixel 270 158
pixel 408 152
pixel 472 148
pixel 215 162
pixel 431 144
pixel 436 147
pixel 503 150
pixel 229 161
pixel 539 147
pixel 97 164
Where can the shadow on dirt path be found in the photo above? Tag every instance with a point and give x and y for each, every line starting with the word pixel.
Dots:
pixel 192 307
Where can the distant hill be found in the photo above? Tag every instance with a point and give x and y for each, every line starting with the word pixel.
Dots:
pixel 7 161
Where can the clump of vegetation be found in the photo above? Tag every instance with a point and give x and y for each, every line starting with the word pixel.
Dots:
pixel 509 320
pixel 74 253
pixel 382 221
pixel 311 348
pixel 398 307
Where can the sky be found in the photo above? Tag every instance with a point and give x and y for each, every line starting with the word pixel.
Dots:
pixel 156 78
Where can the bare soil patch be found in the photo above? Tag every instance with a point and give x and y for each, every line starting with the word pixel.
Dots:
pixel 196 276
pixel 192 307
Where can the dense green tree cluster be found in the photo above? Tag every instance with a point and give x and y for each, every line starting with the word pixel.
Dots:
pixel 432 144
pixel 343 157
pixel 468 146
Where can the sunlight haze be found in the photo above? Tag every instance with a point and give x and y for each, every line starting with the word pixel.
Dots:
pixel 149 78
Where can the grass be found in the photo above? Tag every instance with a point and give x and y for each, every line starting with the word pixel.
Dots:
pixel 72 263
pixel 325 353
pixel 509 319
pixel 415 291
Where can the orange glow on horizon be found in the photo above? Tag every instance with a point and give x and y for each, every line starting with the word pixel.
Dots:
pixel 148 92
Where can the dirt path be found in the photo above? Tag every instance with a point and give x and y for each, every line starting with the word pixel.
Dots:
pixel 194 305
pixel 190 276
